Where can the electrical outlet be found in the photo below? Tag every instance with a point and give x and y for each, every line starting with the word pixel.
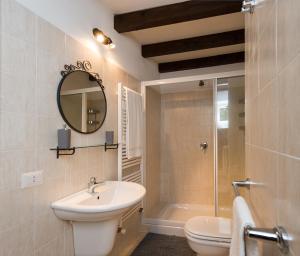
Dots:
pixel 30 179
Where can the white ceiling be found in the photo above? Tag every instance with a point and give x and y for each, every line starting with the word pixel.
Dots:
pixel 123 6
pixel 189 29
pixel 199 53
pixel 181 30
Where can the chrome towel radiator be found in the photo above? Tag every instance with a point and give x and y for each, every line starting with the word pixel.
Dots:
pixel 128 169
pixel 276 235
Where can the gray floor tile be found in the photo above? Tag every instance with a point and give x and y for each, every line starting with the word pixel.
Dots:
pixel 162 245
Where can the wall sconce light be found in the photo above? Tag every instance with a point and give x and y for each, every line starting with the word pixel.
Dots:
pixel 102 38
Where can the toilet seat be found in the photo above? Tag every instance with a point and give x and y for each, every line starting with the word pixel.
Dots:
pixel 209 228
pixel 206 242
pixel 207 238
pixel 210 236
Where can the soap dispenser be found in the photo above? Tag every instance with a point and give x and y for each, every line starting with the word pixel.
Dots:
pixel 64 137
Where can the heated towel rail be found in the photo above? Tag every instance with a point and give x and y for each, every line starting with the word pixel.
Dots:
pixel 128 169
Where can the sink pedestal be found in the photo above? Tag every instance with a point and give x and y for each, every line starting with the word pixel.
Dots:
pixel 95 216
pixel 94 238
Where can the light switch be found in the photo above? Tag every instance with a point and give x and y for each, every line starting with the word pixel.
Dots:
pixel 30 179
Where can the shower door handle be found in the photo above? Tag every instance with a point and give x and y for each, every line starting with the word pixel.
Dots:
pixel 203 146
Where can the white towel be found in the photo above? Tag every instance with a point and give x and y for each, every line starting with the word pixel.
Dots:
pixel 241 218
pixel 134 124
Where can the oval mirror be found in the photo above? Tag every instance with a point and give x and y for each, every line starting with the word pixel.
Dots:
pixel 81 100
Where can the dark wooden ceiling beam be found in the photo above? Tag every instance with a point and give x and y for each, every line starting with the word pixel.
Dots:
pixel 218 60
pixel 193 44
pixel 174 13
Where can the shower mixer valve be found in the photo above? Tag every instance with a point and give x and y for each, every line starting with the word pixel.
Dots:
pixel 203 145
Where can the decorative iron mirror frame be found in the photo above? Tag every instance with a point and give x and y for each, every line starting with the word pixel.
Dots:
pixel 83 66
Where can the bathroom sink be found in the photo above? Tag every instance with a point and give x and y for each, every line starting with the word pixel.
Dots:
pixel 95 216
pixel 111 198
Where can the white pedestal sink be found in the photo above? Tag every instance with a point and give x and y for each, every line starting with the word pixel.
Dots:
pixel 95 217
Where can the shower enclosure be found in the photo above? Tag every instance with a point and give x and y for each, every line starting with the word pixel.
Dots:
pixel 194 150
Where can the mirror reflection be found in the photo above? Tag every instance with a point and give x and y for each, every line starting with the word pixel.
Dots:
pixel 82 101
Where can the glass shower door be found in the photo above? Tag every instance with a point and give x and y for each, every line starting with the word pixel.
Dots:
pixel 230 135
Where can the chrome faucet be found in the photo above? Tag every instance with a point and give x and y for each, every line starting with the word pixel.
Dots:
pixel 93 184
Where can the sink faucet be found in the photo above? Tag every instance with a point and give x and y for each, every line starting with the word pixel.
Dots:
pixel 93 184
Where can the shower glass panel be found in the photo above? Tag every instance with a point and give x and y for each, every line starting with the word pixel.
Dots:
pixel 230 144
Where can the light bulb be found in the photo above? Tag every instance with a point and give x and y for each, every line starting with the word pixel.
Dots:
pixel 98 34
pixel 100 38
pixel 112 46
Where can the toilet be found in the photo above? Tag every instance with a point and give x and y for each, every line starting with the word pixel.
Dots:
pixel 209 236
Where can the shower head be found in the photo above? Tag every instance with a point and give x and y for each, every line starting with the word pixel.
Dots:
pixel 201 83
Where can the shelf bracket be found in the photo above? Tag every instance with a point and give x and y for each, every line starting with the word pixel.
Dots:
pixel 58 152
pixel 110 146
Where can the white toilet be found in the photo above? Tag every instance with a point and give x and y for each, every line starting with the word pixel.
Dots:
pixel 209 236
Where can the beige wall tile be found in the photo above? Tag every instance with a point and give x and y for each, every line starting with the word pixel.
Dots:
pixel 153 150
pixel 263 196
pixel 17 131
pixel 267 117
pixel 272 118
pixel 46 194
pixel 289 108
pixel 288 20
pixel 95 164
pixel 12 170
pixel 53 248
pixel 49 38
pixel 288 199
pixel 18 57
pixel 187 172
pixel 17 241
pixel 46 107
pixel 263 16
pixel 53 63
pixel 22 100
pixel 15 202
pixel 267 46
pixel 17 21
pixel 33 52
pixel 251 54
pixel 133 83
pixel 53 226
pixel 110 162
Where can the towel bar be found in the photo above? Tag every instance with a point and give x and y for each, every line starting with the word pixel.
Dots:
pixel 241 183
pixel 277 235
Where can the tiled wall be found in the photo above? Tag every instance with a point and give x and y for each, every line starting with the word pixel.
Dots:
pixel 273 115
pixel 153 124
pixel 33 53
pixel 186 171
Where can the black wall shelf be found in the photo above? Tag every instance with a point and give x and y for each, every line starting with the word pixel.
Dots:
pixel 72 150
